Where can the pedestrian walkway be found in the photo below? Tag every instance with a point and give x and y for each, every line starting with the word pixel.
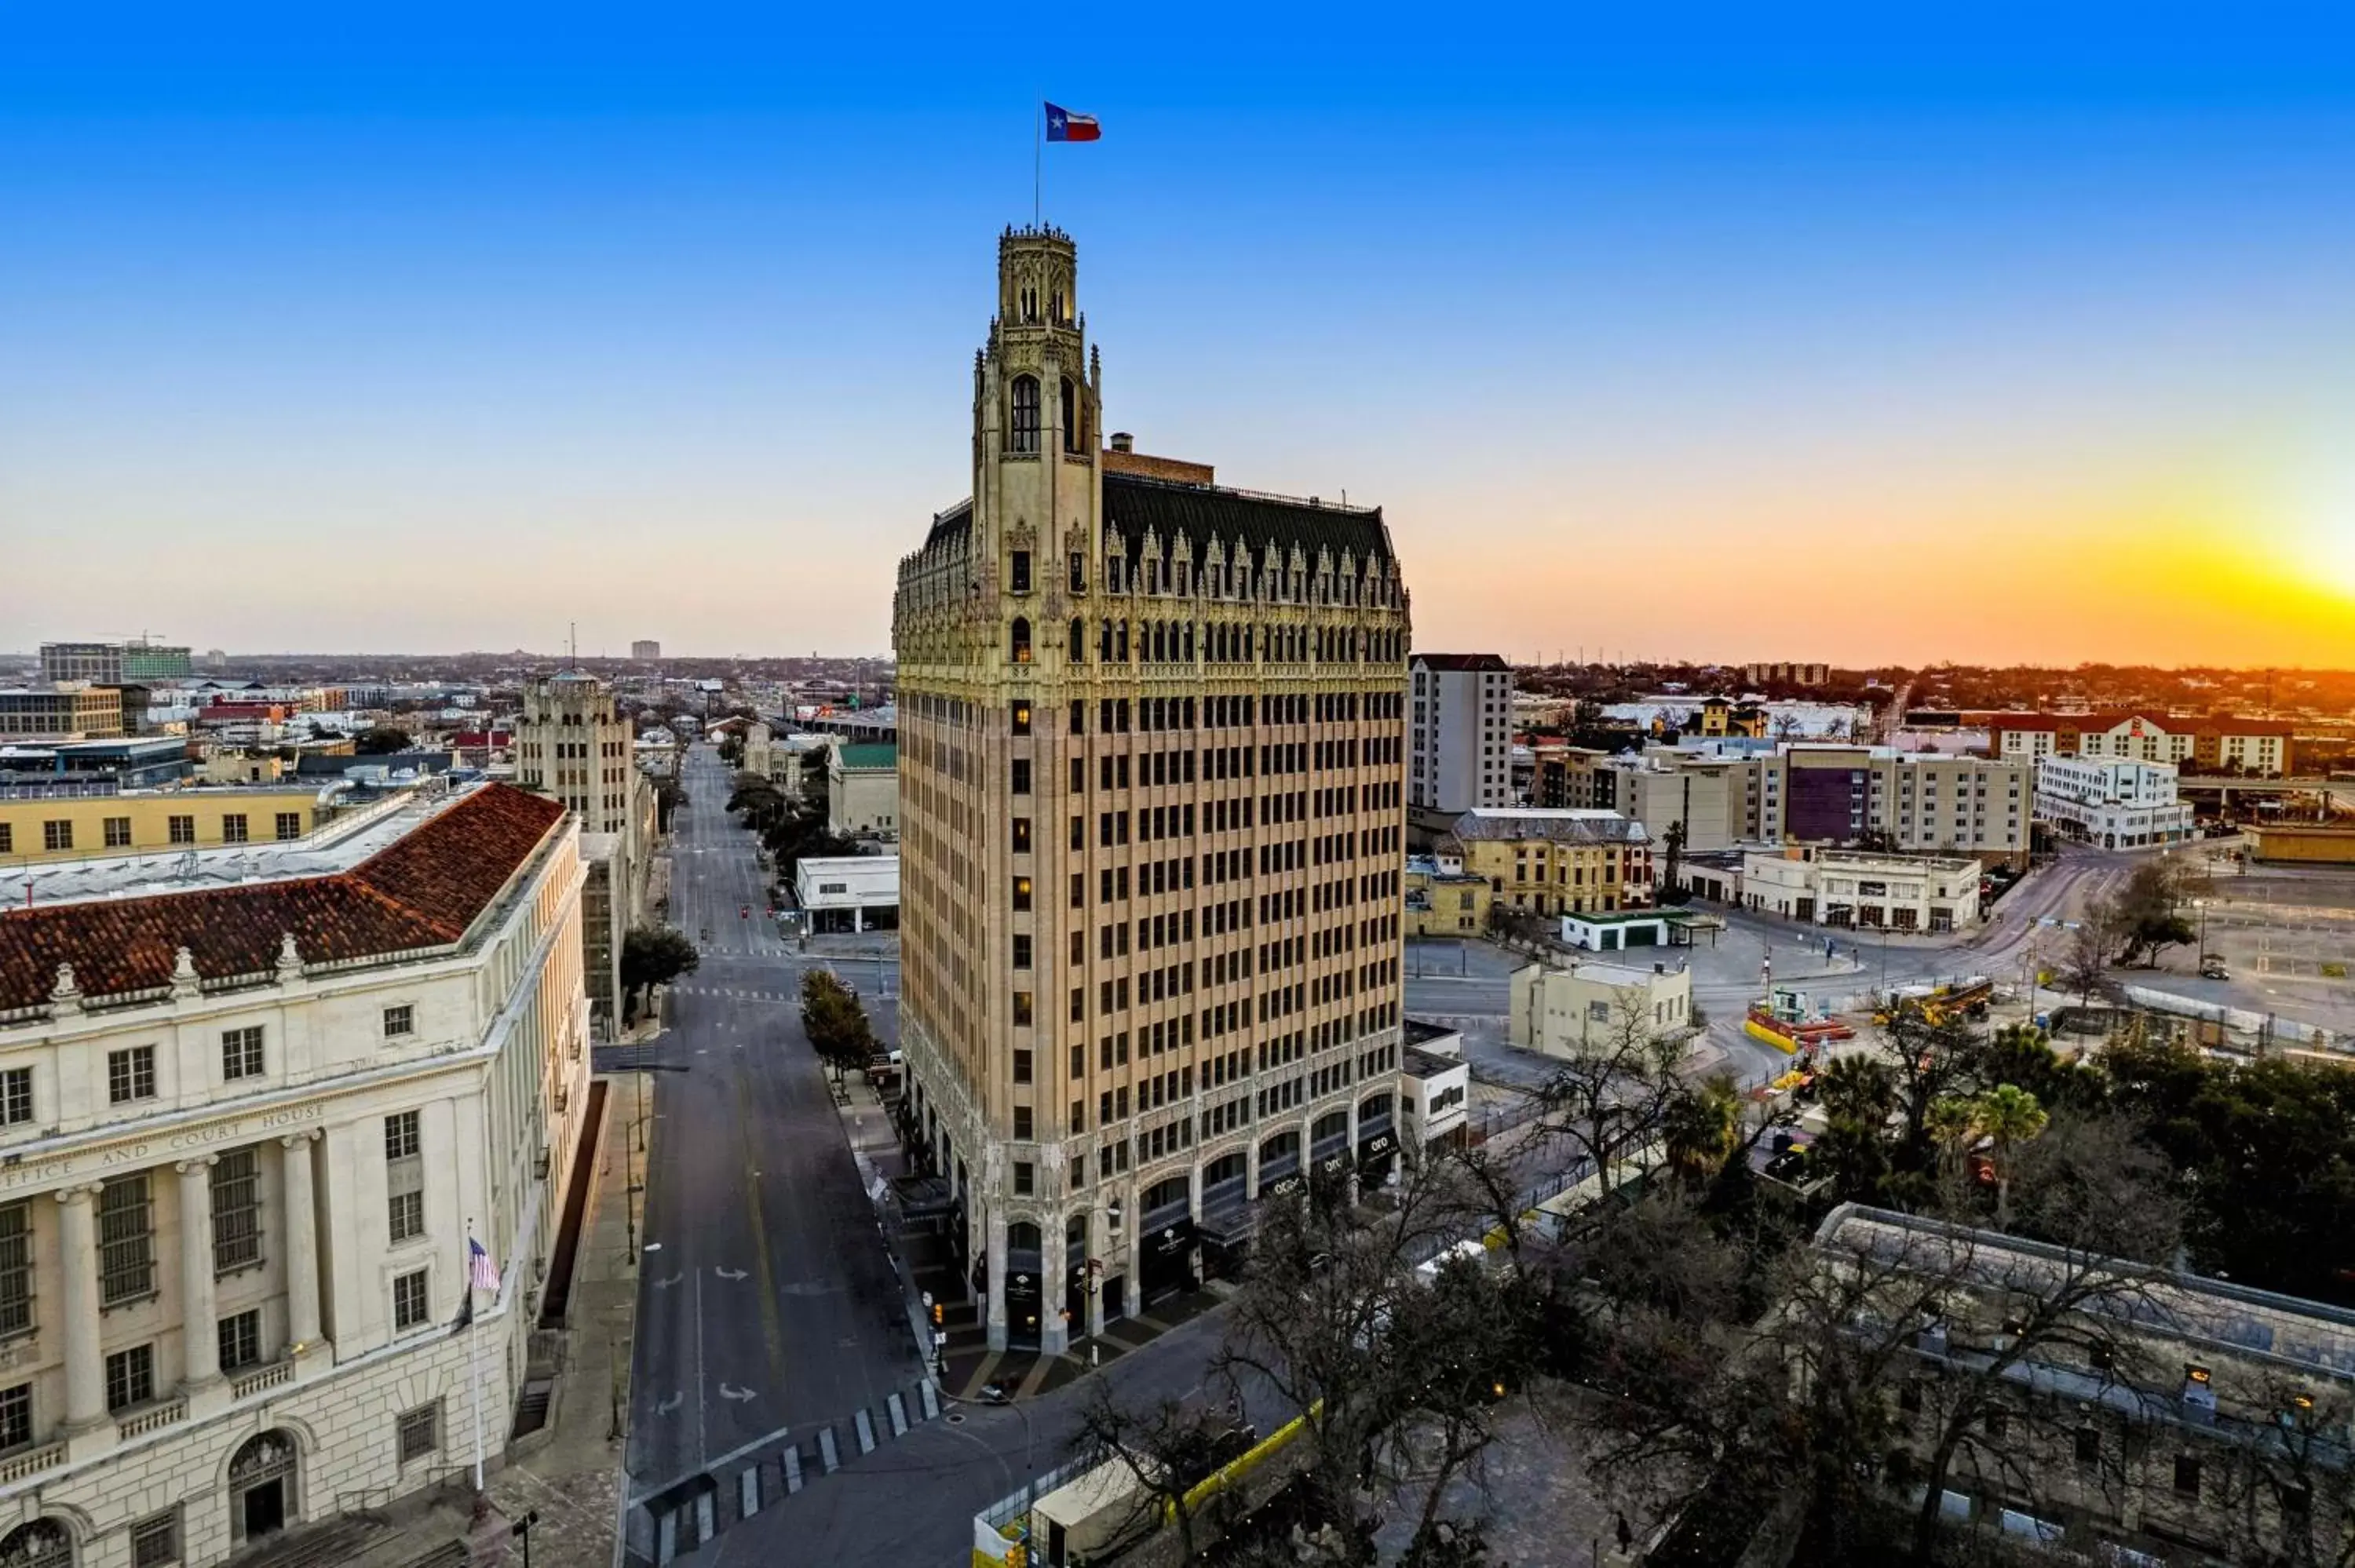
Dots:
pixel 564 1478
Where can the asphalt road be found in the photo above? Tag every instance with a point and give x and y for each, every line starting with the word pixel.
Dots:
pixel 767 1298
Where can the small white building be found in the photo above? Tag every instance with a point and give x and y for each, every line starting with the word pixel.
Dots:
pixel 1586 1007
pixel 848 893
pixel 2116 802
pixel 862 790
pixel 1855 889
pixel 1434 1085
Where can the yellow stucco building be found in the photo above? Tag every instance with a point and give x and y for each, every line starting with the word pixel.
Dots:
pixel 149 822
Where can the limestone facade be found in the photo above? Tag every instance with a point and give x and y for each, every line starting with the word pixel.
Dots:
pixel 237 1187
pixel 1151 790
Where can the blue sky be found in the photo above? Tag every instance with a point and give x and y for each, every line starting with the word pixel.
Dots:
pixel 1731 333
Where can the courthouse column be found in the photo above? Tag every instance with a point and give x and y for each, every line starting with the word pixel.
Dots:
pixel 199 1333
pixel 85 1362
pixel 302 1244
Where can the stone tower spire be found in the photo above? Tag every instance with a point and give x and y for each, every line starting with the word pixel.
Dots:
pixel 1036 419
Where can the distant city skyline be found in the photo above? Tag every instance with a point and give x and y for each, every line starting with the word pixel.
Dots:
pixel 1733 337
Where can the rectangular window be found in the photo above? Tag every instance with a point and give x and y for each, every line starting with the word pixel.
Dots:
pixel 404 1177
pixel 1023 1177
pixel 181 830
pixel 2187 1474
pixel 1021 836
pixel 1022 1066
pixel 7 838
pixel 15 1096
pixel 1022 718
pixel 1019 775
pixel 156 1541
pixel 1021 892
pixel 16 1415
pixel 57 836
pixel 1022 951
pixel 1022 1124
pixel 130 1075
pixel 241 1339
pixel 131 1377
pixel 399 1020
pixel 16 1269
pixel 126 1242
pixel 419 1432
pixel 241 1052
pixel 118 832
pixel 1021 1009
pixel 409 1308
pixel 290 825
pixel 237 1211
pixel 1021 571
pixel 233 828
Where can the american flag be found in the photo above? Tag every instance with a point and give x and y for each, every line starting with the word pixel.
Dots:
pixel 481 1272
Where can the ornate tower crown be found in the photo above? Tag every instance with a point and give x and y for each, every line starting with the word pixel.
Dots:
pixel 1038 277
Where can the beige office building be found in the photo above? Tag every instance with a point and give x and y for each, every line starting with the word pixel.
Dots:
pixel 570 741
pixel 244 1129
pixel 1151 753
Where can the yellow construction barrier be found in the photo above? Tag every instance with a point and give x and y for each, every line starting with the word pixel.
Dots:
pixel 1757 1031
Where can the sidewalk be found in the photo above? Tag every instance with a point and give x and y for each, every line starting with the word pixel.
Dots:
pixel 927 1266
pixel 568 1472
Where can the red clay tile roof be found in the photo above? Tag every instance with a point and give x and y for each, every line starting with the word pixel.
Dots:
pixel 423 891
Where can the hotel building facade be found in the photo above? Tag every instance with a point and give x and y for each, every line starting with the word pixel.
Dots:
pixel 245 1132
pixel 1151 791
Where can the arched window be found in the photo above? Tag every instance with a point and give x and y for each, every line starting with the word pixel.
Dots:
pixel 41 1543
pixel 1022 1237
pixel 1104 645
pixel 1072 431
pixel 1120 640
pixel 1024 436
pixel 1161 640
pixel 1020 648
pixel 1079 640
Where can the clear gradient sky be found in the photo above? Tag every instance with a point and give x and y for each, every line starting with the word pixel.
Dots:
pixel 1741 333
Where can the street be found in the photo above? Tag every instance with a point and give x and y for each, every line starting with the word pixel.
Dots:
pixel 766 1296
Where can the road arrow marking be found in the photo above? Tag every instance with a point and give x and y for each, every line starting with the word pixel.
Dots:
pixel 729 1391
pixel 666 1284
pixel 731 1272
pixel 668 1405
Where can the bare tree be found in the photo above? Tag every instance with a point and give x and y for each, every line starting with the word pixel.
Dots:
pixel 1612 1096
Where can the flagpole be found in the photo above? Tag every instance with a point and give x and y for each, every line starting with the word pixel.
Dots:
pixel 474 1359
pixel 1037 156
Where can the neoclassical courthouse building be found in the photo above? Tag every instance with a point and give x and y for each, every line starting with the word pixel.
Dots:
pixel 1151 773
pixel 243 1130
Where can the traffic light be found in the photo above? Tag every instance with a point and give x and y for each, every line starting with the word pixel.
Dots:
pixel 936 1315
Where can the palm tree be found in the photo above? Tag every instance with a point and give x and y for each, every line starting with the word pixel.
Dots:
pixel 1703 1126
pixel 2009 1116
pixel 1952 1122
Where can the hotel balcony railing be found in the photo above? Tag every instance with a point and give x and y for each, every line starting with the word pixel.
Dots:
pixel 260 1378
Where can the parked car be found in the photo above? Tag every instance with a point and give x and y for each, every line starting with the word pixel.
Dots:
pixel 2212 967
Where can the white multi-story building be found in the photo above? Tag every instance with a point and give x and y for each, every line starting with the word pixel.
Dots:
pixel 245 1133
pixel 1857 889
pixel 2113 801
pixel 1460 732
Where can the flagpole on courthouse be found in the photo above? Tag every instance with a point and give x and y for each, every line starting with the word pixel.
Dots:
pixel 1037 156
pixel 474 1357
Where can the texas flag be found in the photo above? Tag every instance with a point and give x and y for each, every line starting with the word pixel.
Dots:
pixel 1062 125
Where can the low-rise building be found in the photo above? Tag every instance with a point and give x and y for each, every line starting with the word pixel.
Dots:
pixel 1591 1006
pixel 2200 743
pixel 2287 844
pixel 1572 777
pixel 862 790
pixel 848 893
pixel 2116 802
pixel 1443 902
pixel 1434 1086
pixel 65 710
pixel 1553 861
pixel 2150 1416
pixel 1854 888
pixel 157 822
pixel 79 766
pixel 249 1130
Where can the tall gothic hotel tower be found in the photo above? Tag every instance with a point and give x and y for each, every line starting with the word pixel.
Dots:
pixel 1151 766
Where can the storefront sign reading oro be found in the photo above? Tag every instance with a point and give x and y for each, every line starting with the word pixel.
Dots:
pixel 158 1147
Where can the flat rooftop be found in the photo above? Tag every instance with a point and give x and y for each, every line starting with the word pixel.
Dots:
pixel 339 846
